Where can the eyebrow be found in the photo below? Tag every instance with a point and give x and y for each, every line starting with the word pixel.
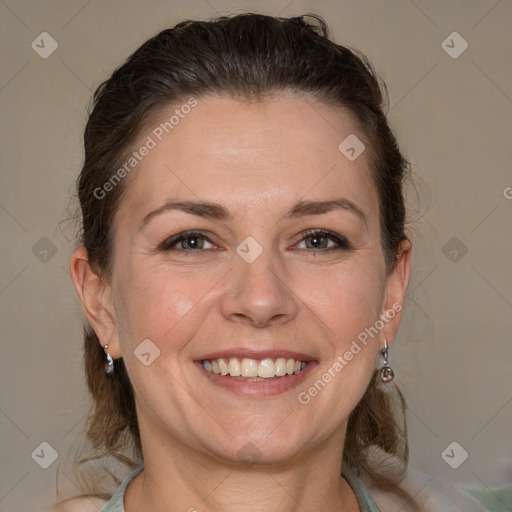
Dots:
pixel 216 211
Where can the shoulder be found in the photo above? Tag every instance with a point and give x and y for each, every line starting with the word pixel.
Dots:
pixel 82 504
pixel 429 494
pixel 97 502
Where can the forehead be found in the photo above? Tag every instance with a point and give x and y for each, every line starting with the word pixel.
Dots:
pixel 249 155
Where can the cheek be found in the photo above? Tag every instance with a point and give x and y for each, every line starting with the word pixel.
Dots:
pixel 347 300
pixel 154 303
pixel 348 303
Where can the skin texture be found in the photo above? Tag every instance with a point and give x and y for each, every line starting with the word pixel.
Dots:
pixel 257 160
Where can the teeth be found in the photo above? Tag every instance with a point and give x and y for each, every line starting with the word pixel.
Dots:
pixel 253 370
pixel 249 368
pixel 266 369
pixel 224 368
pixel 235 369
pixel 280 366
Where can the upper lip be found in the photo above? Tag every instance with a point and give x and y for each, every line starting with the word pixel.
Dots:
pixel 244 353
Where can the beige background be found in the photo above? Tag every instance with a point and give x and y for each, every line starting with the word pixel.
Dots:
pixel 453 118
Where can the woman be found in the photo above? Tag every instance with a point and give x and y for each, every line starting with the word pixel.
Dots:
pixel 243 266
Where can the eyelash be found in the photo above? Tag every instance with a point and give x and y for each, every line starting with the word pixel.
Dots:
pixel 169 244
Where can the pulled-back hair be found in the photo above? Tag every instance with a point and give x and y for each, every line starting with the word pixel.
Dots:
pixel 250 57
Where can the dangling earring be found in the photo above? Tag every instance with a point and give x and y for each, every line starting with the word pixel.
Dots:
pixel 109 365
pixel 386 372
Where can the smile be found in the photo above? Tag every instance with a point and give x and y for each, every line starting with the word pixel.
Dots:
pixel 256 373
pixel 254 369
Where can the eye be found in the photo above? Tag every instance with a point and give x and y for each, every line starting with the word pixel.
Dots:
pixel 320 239
pixel 187 241
pixel 315 240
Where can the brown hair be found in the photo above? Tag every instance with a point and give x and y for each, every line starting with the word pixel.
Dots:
pixel 248 56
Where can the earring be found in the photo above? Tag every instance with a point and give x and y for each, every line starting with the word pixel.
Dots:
pixel 109 365
pixel 386 372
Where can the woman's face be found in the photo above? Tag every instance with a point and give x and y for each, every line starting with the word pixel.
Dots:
pixel 251 288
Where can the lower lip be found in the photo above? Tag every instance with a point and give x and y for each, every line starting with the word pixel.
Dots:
pixel 258 388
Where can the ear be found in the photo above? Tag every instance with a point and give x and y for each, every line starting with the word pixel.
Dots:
pixel 96 299
pixel 396 287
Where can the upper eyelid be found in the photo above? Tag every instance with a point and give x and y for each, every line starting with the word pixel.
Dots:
pixel 341 240
pixel 173 240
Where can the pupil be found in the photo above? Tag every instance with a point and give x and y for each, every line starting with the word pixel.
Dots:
pixel 192 242
pixel 316 240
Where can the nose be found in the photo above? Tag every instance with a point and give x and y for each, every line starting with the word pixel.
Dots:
pixel 258 293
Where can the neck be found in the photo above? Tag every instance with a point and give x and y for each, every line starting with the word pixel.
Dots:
pixel 183 479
